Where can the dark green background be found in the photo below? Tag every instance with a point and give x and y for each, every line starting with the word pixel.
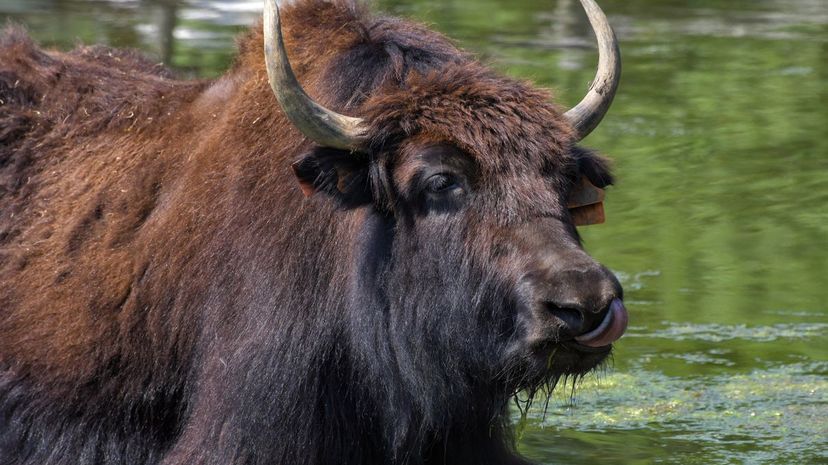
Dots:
pixel 718 227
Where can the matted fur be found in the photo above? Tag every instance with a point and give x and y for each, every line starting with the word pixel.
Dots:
pixel 168 296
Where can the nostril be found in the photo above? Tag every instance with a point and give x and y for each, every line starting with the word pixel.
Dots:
pixel 571 318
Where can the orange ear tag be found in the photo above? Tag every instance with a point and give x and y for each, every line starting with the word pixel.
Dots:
pixel 586 204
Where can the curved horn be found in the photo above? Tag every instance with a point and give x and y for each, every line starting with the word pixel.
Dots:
pixel 323 126
pixel 585 116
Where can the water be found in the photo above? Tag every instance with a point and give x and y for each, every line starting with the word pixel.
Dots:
pixel 718 227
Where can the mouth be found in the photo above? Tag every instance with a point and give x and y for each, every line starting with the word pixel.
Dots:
pixel 561 358
pixel 575 347
pixel 584 352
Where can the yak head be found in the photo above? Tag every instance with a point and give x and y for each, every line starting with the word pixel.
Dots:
pixel 470 274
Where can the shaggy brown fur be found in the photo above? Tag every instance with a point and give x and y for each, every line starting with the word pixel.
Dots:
pixel 153 237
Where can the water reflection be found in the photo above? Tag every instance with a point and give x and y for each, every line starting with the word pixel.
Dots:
pixel 718 227
pixel 195 37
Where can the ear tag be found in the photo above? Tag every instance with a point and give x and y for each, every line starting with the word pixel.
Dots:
pixel 586 204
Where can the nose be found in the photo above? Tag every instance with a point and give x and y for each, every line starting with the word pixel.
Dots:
pixel 584 299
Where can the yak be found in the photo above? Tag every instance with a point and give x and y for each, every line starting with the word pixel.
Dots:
pixel 354 247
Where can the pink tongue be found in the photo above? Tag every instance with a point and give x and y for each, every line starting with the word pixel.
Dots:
pixel 610 330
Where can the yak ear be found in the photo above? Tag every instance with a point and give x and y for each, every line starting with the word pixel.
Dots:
pixel 594 167
pixel 338 173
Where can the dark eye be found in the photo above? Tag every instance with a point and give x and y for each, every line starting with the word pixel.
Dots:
pixel 441 183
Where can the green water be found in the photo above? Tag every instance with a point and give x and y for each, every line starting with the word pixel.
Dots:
pixel 718 227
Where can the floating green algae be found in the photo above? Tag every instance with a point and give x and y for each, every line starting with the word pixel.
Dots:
pixel 776 415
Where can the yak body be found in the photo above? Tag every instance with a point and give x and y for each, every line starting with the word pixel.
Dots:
pixel 169 296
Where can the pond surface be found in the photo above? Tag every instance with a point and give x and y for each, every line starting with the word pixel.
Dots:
pixel 718 227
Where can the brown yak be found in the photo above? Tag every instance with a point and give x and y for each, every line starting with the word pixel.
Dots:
pixel 170 294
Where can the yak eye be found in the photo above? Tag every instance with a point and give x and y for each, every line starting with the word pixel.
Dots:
pixel 441 183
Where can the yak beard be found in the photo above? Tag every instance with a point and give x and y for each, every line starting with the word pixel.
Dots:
pixel 436 344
